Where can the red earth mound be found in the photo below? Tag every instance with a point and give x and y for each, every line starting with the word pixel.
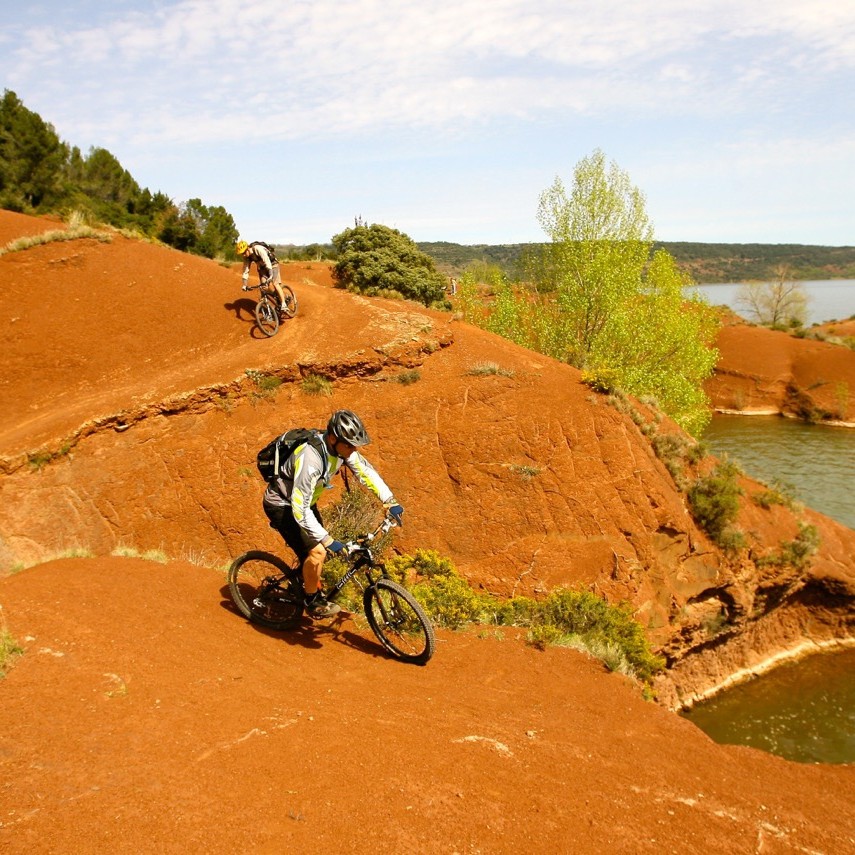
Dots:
pixel 766 371
pixel 134 721
pixel 146 716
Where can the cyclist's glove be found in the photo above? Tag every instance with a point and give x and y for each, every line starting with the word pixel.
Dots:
pixel 335 547
pixel 397 513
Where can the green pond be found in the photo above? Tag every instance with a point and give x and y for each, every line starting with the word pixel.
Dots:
pixel 804 711
pixel 815 462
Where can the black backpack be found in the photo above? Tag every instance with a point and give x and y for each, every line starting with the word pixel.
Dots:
pixel 278 450
pixel 268 247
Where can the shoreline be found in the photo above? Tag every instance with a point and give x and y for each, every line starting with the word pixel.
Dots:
pixel 724 411
pixel 803 650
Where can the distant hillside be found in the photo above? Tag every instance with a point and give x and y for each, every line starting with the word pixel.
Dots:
pixel 705 262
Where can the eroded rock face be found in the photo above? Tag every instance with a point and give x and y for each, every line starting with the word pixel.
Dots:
pixel 504 460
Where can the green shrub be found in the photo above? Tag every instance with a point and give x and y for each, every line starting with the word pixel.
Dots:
pixel 797 552
pixel 714 501
pixel 376 259
pixel 565 617
pixel 778 493
pixel 354 514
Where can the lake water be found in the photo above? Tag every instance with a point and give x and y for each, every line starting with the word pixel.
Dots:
pixel 803 711
pixel 816 461
pixel 828 300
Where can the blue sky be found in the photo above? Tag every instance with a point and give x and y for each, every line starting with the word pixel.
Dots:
pixel 447 119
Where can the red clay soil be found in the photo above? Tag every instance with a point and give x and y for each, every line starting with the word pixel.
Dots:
pixel 767 371
pixel 146 716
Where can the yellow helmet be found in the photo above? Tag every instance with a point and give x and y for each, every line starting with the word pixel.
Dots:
pixel 241 247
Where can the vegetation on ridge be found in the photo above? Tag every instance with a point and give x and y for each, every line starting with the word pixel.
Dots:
pixel 600 301
pixel 380 261
pixel 707 263
pixel 41 174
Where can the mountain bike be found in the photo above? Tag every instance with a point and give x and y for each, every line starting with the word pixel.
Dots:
pixel 268 309
pixel 269 592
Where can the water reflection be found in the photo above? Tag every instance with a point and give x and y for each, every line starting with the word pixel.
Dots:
pixel 804 711
pixel 816 461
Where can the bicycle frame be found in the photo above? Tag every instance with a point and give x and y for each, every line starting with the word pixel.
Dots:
pixel 268 591
pixel 365 558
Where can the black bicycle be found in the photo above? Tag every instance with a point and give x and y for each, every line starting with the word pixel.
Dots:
pixel 269 592
pixel 268 309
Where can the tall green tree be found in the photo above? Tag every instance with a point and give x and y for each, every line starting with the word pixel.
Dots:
pixel 603 303
pixel 376 258
pixel 215 228
pixel 31 157
pixel 622 314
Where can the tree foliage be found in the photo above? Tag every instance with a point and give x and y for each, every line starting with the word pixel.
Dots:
pixel 31 157
pixel 375 259
pixel 604 302
pixel 41 174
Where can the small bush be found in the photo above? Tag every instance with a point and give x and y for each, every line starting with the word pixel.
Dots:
pixel 797 552
pixel 778 493
pixel 39 460
pixel 354 514
pixel 314 384
pixel 714 501
pixel 406 378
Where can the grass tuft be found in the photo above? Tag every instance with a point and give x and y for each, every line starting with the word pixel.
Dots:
pixel 314 384
pixel 9 647
pixel 484 369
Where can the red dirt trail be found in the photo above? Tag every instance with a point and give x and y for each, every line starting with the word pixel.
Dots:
pixel 146 716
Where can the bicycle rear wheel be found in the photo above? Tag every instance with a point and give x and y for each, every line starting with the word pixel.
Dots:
pixel 399 622
pixel 266 317
pixel 289 309
pixel 266 590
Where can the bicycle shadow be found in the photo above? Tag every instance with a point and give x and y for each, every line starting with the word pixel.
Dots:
pixel 244 310
pixel 306 633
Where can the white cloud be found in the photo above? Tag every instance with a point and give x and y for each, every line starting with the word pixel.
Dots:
pixel 678 87
pixel 401 63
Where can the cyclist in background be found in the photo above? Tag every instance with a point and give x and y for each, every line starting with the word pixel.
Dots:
pixel 266 265
pixel 290 500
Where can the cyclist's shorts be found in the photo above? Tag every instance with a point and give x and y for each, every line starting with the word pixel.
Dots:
pixel 282 520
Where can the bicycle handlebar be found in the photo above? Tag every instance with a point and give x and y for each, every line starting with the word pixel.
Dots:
pixel 362 541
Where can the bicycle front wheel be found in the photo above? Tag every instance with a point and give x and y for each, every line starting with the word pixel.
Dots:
pixel 289 308
pixel 266 590
pixel 399 622
pixel 266 317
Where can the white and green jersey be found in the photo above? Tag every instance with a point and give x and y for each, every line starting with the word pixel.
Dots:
pixel 305 475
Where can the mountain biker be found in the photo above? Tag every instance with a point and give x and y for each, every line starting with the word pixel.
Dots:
pixel 266 265
pixel 290 500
